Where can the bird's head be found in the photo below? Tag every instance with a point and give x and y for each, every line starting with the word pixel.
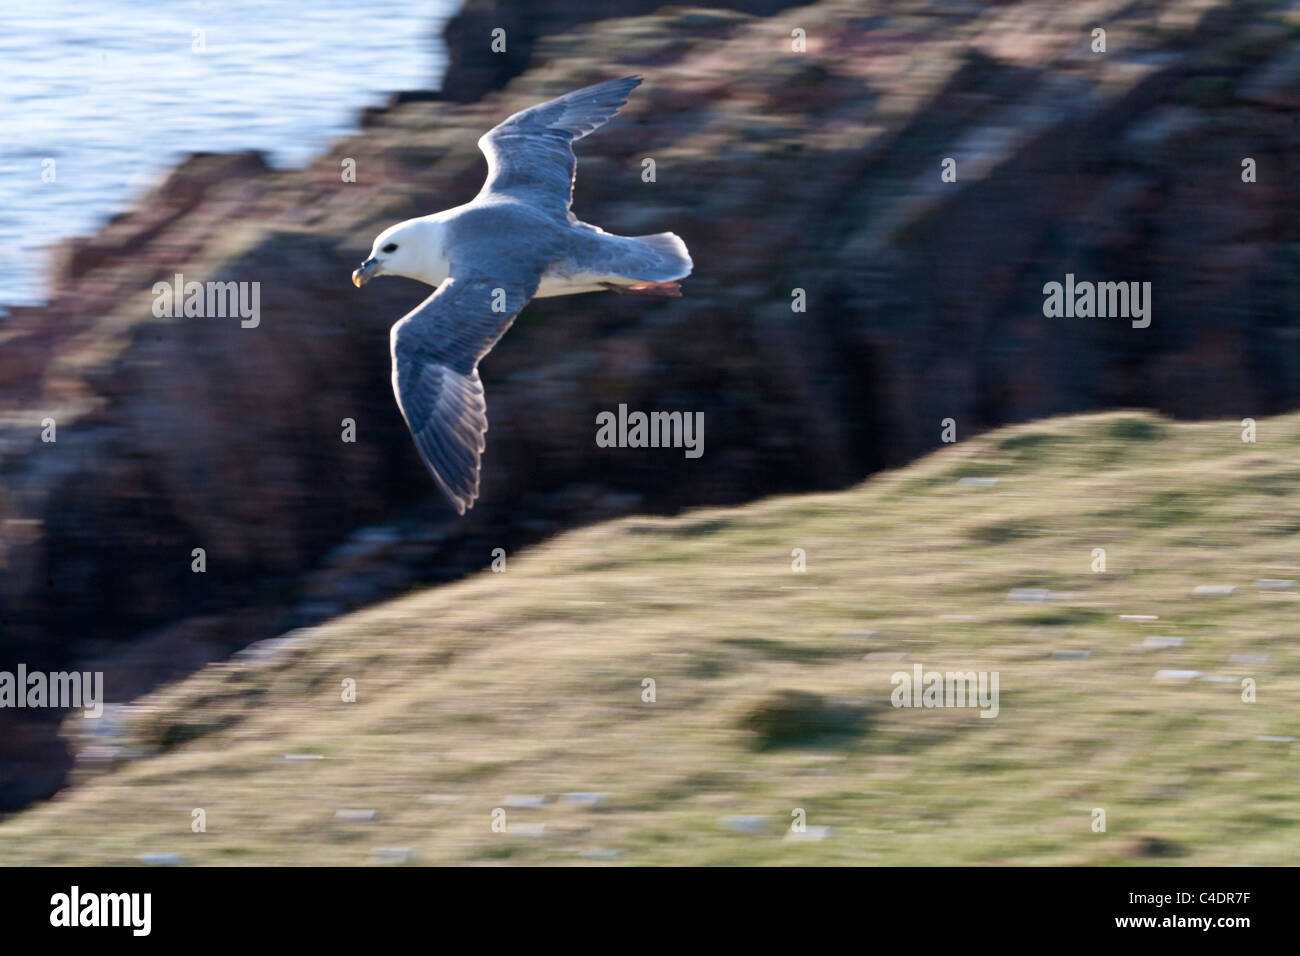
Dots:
pixel 410 249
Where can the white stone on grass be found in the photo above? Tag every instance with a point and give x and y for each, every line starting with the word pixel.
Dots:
pixel 1215 590
pixel 273 649
pixel 1157 642
pixel 1139 617
pixel 1031 595
pixel 1250 658
pixel 394 854
pixel 356 816
pixel 584 799
pixel 525 801
pixel 745 822
pixel 101 754
pixel 810 833
pixel 1177 676
pixel 974 482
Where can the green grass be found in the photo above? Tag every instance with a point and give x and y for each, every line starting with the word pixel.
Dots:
pixel 771 692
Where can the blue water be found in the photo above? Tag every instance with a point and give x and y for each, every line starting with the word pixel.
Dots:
pixel 115 93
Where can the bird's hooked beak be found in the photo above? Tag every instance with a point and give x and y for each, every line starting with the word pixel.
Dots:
pixel 365 272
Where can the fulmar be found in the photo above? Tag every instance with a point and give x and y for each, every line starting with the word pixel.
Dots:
pixel 516 240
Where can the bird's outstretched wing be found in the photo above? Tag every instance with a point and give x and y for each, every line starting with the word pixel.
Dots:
pixel 436 350
pixel 530 155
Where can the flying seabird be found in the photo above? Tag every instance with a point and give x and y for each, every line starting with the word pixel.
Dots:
pixel 516 240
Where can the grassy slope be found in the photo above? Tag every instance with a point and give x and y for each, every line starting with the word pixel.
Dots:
pixel 529 682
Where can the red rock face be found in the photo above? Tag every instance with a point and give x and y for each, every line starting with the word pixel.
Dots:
pixel 782 170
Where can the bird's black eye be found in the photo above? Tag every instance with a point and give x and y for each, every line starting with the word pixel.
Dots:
pixel 391 247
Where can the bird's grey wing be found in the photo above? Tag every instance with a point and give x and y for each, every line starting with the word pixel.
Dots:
pixel 436 350
pixel 530 155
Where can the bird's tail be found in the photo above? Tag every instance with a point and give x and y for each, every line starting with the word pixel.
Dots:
pixel 670 259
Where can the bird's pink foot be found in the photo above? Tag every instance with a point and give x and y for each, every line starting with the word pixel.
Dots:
pixel 672 289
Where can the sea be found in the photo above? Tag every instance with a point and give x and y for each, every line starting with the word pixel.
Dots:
pixel 102 97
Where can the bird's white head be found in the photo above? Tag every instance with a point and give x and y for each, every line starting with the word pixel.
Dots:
pixel 412 248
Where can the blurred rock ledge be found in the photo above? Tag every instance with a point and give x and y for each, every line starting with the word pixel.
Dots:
pixel 782 170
